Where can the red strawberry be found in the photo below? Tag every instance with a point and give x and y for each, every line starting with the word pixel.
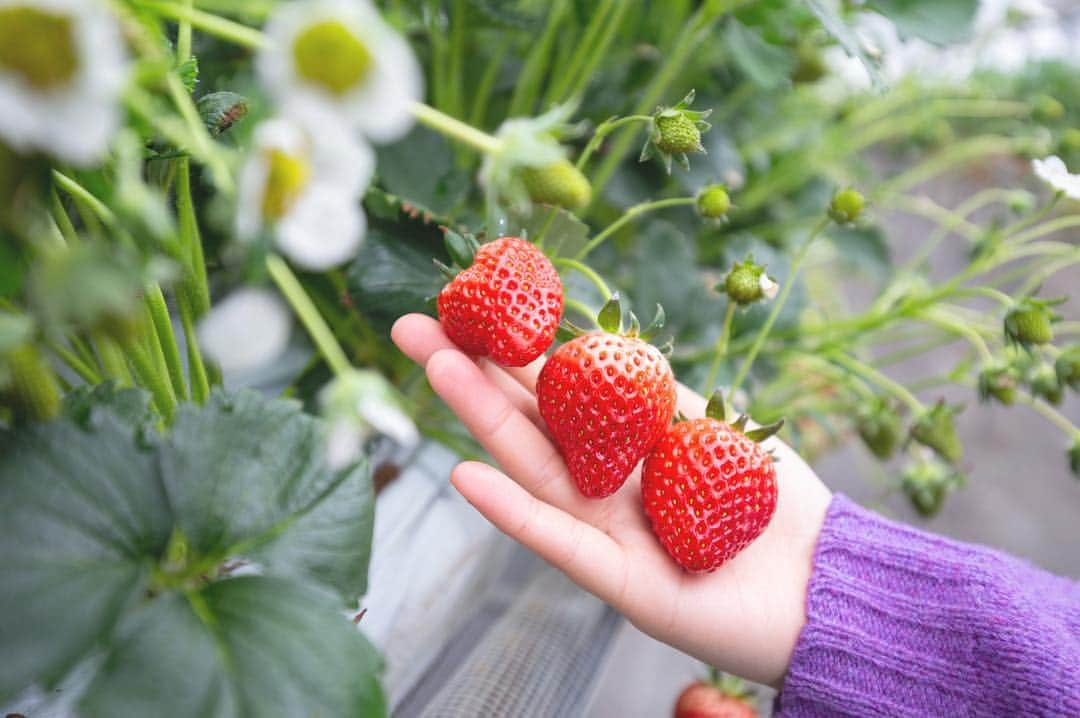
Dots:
pixel 709 489
pixel 606 399
pixel 707 700
pixel 507 305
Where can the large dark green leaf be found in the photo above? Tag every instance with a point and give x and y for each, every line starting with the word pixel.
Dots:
pixel 85 516
pixel 249 647
pixel 246 476
pixel 938 21
pixel 420 169
pixel 393 273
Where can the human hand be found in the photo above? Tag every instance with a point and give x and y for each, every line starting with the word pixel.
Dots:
pixel 744 618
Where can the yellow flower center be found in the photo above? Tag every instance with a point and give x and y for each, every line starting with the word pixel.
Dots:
pixel 37 46
pixel 286 178
pixel 329 55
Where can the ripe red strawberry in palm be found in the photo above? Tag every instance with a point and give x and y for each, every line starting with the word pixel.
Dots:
pixel 506 305
pixel 709 489
pixel 606 398
pixel 710 699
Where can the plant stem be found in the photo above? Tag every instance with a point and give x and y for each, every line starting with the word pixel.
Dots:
pixel 1055 225
pixel 113 361
pixel 83 195
pixel 603 130
pixel 581 308
pixel 1035 216
pixel 721 348
pixel 60 216
pixel 183 35
pixel 559 88
pixel 1037 278
pixel 485 87
pixel 763 333
pixel 587 272
pixel 84 370
pixel 876 377
pixel 995 294
pixel 599 49
pixel 308 314
pixel 455 129
pixel 527 89
pixel 628 216
pixel 207 22
pixel 197 376
pixel 191 239
pixel 961 329
pixel 159 316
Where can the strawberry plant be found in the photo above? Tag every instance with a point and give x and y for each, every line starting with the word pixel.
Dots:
pixel 201 197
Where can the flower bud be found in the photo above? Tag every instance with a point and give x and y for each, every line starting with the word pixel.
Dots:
pixel 846 206
pixel 879 427
pixel 1067 367
pixel 747 283
pixel 927 483
pixel 1045 384
pixel 676 133
pixel 560 184
pixel 998 382
pixel 357 405
pixel 1074 458
pixel 1030 322
pixel 713 202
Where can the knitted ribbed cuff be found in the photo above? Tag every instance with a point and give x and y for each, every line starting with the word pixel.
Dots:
pixel 905 623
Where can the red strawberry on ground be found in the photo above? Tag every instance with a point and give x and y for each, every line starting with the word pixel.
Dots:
pixel 709 489
pixel 715 698
pixel 506 305
pixel 606 398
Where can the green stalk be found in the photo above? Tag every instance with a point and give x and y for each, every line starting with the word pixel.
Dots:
pixel 85 371
pixel 83 196
pixel 581 308
pixel 207 22
pixel 1056 225
pixel 960 329
pixel 157 383
pixel 183 35
pixel 527 89
pixel 559 90
pixel 455 129
pixel 485 87
pixel 190 239
pixel 603 130
pixel 1037 278
pixel 587 272
pixel 960 214
pixel 599 50
pixel 308 314
pixel 881 380
pixel 763 333
pixel 628 216
pixel 113 361
pixel 162 324
pixel 456 66
pixel 197 377
pixel 60 215
pixel 721 348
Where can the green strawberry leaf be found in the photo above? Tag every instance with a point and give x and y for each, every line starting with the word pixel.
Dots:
pixel 248 646
pixel 421 170
pixel 559 232
pixel 938 21
pixel 766 65
pixel 245 477
pixel 85 517
pixel 86 404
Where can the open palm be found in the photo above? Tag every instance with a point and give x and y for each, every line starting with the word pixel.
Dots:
pixel 743 618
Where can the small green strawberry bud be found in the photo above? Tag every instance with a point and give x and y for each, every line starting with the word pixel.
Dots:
pixel 927 483
pixel 1045 384
pixel 677 133
pixel 713 202
pixel 1047 109
pixel 1067 367
pixel 32 389
pixel 1021 202
pixel 1030 322
pixel 846 206
pixel 1074 458
pixel 1070 139
pixel 935 429
pixel 560 184
pixel 879 427
pixel 998 382
pixel 747 283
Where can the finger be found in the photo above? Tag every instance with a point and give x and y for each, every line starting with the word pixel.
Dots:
pixel 507 434
pixel 587 555
pixel 522 398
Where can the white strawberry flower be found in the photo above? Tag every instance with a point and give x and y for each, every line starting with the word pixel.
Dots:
pixel 62 69
pixel 356 405
pixel 769 287
pixel 246 330
pixel 342 56
pixel 1052 171
pixel 303 183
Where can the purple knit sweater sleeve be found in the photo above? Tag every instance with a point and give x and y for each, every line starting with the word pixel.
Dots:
pixel 905 623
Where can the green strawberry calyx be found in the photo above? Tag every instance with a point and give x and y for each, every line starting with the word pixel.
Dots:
pixel 612 319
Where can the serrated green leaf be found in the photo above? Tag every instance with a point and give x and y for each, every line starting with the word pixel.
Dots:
pixel 420 169
pixel 188 70
pixel 938 21
pixel 766 65
pixel 246 476
pixel 239 648
pixel 845 36
pixel 86 404
pixel 392 275
pixel 84 515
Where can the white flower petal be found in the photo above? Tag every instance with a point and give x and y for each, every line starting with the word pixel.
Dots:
pixel 247 329
pixel 1052 171
pixel 344 442
pixel 387 418
pixel 75 122
pixel 768 287
pixel 380 106
pixel 323 229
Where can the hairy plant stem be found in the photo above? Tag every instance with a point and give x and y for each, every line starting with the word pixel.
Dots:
pixel 527 89
pixel 582 309
pixel 628 216
pixel 778 305
pixel 603 130
pixel 721 348
pixel 455 129
pixel 881 380
pixel 209 23
pixel 308 314
pixel 559 87
pixel 587 272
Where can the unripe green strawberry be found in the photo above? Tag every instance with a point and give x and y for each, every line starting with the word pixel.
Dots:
pixel 846 206
pixel 1045 384
pixel 713 202
pixel 676 133
pixel 1030 322
pixel 560 184
pixel 936 430
pixel 747 283
pixel 999 382
pixel 1067 367
pixel 33 389
pixel 927 483
pixel 879 427
pixel 1074 458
